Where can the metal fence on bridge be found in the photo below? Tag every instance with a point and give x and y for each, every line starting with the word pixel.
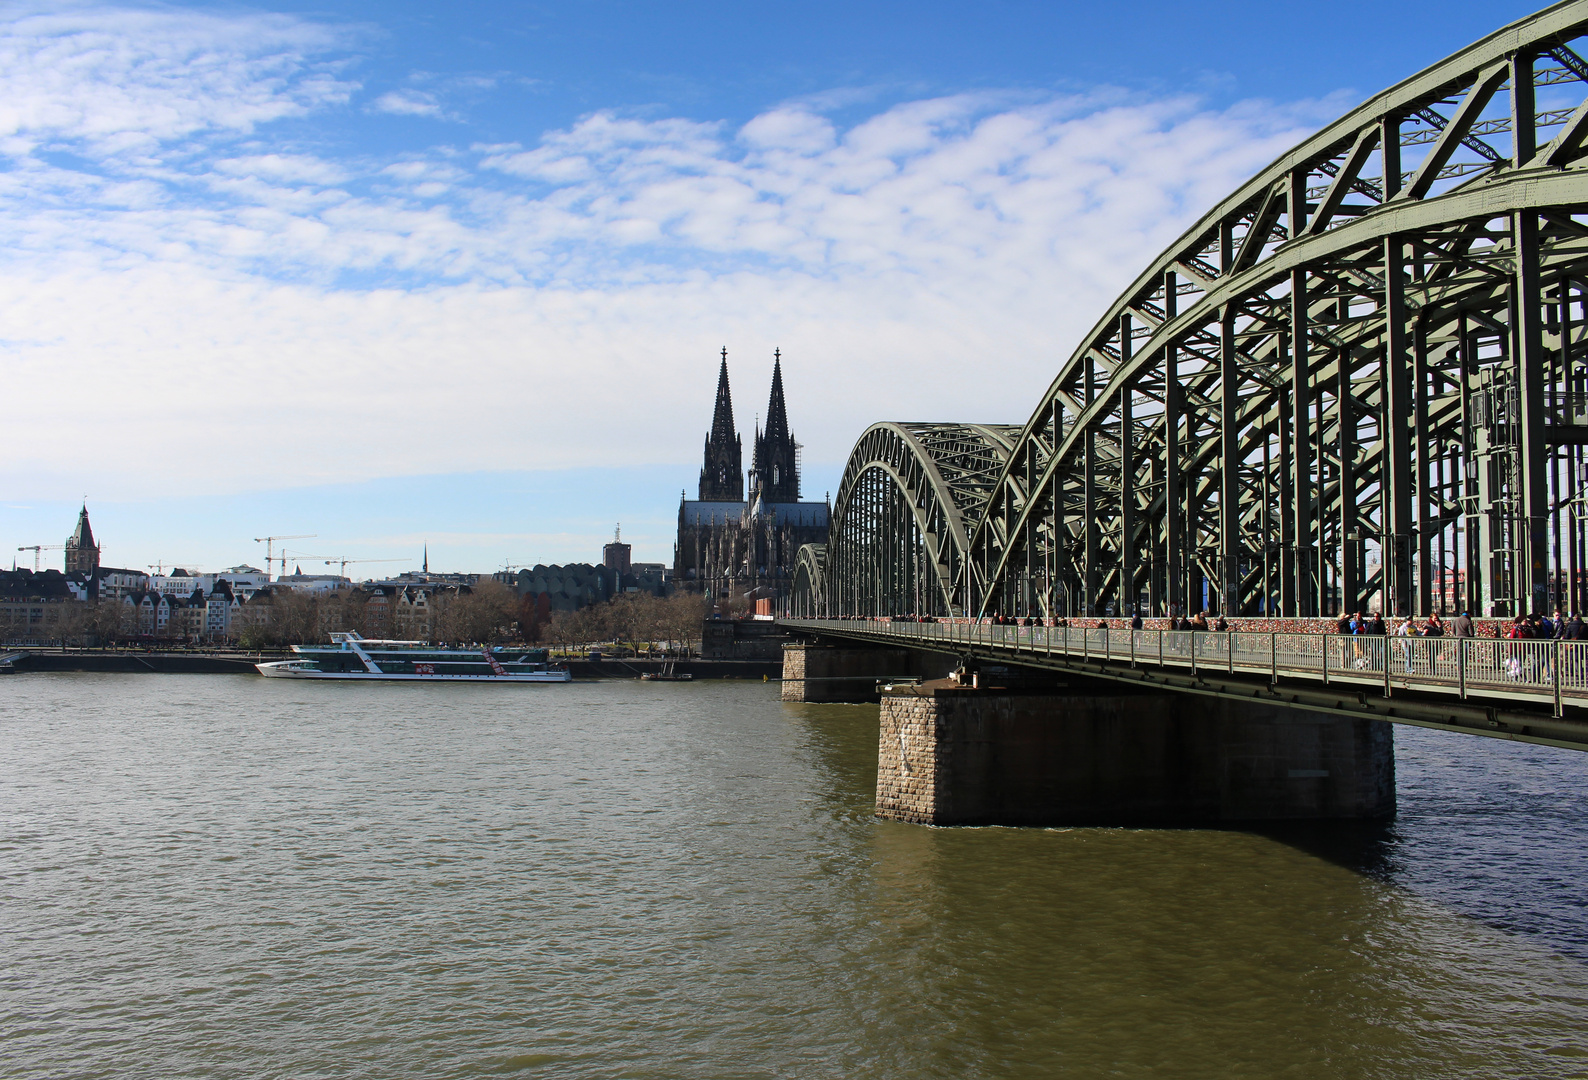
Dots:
pixel 1543 672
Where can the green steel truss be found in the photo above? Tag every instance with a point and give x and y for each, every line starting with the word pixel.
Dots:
pixel 1360 380
pixel 900 527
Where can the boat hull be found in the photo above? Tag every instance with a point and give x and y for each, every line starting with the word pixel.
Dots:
pixel 290 669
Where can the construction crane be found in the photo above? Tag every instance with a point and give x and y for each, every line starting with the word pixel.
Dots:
pixel 159 567
pixel 36 548
pixel 345 563
pixel 268 541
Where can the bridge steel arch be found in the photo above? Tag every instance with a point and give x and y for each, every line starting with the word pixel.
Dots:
pixel 901 522
pixel 1362 377
pixel 808 594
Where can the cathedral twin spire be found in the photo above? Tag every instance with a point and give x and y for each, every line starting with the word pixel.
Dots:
pixel 722 476
pixel 774 469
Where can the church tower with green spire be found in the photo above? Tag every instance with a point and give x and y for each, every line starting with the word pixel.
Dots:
pixel 82 554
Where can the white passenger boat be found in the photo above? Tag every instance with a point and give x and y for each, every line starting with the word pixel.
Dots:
pixel 350 657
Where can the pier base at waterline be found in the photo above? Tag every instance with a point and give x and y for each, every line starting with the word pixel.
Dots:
pixel 953 755
pixel 851 672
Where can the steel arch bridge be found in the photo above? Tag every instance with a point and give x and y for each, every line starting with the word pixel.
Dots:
pixel 1362 378
pixel 901 523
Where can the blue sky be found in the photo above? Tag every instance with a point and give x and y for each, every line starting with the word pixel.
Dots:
pixel 402 272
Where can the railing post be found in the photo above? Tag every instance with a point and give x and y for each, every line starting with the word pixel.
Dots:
pixel 1229 650
pixel 1193 654
pixel 1326 659
pixel 1556 679
pixel 1461 666
pixel 1273 659
pixel 1384 659
pixel 1160 649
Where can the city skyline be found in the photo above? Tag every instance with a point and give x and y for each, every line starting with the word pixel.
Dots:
pixel 298 255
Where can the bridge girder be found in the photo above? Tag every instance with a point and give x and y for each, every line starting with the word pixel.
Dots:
pixel 1364 374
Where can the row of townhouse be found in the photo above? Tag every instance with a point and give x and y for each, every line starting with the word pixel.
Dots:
pixel 51 607
pixel 406 612
pixel 210 617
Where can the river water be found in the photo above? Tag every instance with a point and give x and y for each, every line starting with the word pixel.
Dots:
pixel 221 876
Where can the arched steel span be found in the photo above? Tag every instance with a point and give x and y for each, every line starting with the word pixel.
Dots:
pixel 900 528
pixel 1363 377
pixel 808 597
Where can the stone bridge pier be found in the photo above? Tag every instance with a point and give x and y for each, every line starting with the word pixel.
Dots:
pixel 850 671
pixel 954 755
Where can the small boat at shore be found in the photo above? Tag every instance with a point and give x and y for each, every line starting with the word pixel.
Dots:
pixel 668 673
pixel 352 658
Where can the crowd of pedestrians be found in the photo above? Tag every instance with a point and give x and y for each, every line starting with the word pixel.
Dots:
pixel 1524 627
pixel 1544 628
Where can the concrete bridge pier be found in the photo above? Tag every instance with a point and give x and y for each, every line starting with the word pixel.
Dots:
pixel 851 671
pixel 953 755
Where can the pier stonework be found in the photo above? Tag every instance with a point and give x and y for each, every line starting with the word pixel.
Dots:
pixel 952 755
pixel 850 673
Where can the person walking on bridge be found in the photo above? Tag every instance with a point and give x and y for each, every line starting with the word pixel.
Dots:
pixel 1405 630
pixel 1571 663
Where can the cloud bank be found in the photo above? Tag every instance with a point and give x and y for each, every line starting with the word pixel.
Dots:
pixel 192 286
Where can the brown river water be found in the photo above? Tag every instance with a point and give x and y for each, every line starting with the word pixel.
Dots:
pixel 223 876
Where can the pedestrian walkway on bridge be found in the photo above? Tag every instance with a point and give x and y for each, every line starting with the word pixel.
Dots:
pixel 1528 689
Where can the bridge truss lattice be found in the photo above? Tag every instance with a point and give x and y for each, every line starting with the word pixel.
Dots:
pixel 1360 379
pixel 901 522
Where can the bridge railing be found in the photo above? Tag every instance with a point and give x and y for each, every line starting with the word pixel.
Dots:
pixel 1536 670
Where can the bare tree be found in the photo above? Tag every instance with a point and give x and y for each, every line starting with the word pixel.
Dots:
pixel 294 620
pixel 685 614
pixel 487 613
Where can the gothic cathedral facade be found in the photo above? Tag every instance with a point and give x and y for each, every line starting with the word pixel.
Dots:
pixel 733 546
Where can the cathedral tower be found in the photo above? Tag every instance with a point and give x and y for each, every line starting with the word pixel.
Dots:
pixel 722 477
pixel 82 554
pixel 774 472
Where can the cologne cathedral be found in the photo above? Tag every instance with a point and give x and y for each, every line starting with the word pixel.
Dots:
pixel 733 546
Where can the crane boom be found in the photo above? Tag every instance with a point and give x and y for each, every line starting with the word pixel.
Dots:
pixel 345 563
pixel 36 548
pixel 268 541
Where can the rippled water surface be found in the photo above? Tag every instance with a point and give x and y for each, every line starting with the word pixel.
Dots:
pixel 224 876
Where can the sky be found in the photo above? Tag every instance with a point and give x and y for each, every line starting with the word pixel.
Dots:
pixel 401 274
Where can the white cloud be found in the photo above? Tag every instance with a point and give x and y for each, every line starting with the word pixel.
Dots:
pixel 122 81
pixel 407 103
pixel 244 308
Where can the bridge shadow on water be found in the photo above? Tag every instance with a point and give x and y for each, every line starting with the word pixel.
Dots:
pixel 1494 830
pixel 1367 847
